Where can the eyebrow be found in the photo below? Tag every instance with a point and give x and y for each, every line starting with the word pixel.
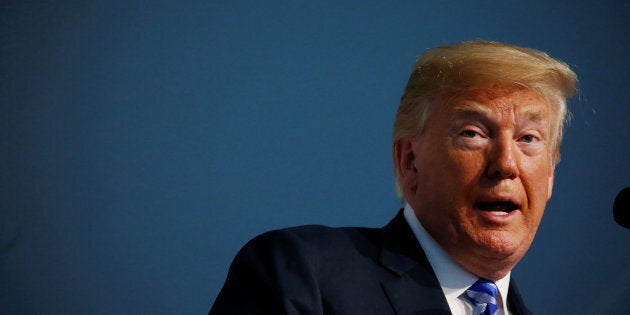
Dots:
pixel 535 115
pixel 471 109
pixel 474 109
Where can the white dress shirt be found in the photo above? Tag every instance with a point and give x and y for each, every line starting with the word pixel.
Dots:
pixel 454 279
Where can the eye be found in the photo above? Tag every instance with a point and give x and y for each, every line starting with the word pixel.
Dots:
pixel 470 137
pixel 469 133
pixel 528 138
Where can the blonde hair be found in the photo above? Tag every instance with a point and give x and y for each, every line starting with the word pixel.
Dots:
pixel 447 70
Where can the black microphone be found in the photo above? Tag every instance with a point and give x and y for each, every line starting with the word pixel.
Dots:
pixel 621 208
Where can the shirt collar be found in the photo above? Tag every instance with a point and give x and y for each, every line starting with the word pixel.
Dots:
pixel 452 277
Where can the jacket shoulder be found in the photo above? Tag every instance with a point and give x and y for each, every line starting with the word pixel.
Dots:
pixel 318 240
pixel 288 271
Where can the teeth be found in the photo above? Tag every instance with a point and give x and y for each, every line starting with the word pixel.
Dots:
pixel 496 207
pixel 499 213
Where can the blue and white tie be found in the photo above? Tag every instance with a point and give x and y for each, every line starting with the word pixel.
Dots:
pixel 483 295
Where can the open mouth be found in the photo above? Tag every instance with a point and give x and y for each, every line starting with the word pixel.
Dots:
pixel 498 207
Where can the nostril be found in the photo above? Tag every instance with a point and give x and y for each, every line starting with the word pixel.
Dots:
pixel 503 169
pixel 499 174
pixel 502 163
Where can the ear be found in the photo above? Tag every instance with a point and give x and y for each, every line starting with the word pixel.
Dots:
pixel 405 163
pixel 552 170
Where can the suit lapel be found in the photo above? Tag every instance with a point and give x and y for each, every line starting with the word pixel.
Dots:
pixel 416 289
pixel 515 302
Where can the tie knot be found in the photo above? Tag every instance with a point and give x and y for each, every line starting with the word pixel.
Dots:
pixel 483 295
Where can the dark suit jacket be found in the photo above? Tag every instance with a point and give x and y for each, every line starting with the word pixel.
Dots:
pixel 322 270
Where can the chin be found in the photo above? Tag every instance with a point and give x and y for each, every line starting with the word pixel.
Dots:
pixel 501 245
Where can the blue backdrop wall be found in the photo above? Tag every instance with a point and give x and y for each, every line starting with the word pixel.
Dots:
pixel 144 142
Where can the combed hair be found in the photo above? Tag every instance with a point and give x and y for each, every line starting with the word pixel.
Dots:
pixel 458 68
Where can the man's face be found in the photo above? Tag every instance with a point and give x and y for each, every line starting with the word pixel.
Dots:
pixel 480 174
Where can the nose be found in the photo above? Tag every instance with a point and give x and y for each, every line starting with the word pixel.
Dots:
pixel 502 160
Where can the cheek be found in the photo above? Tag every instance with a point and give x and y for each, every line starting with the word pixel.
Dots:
pixel 453 182
pixel 550 179
pixel 538 184
pixel 466 166
pixel 452 169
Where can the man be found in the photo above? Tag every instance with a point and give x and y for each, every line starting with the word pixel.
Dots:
pixel 476 140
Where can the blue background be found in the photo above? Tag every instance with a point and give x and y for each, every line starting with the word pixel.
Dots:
pixel 144 142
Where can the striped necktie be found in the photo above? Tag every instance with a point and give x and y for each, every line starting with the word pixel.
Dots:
pixel 483 296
